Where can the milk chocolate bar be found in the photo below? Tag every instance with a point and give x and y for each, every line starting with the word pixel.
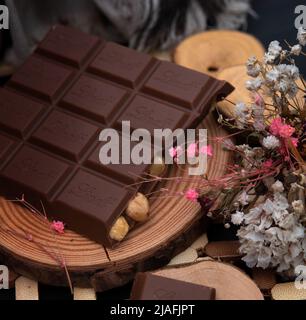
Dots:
pixel 148 286
pixel 54 107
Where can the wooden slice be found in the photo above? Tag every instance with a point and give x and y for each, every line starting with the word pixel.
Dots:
pixel 213 51
pixel 223 250
pixel 237 76
pixel 264 278
pixel 230 282
pixel 175 223
pixel 288 291
pixel 162 55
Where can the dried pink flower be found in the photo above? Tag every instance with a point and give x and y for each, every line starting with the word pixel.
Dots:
pixel 208 150
pixel 192 150
pixel 175 152
pixel 192 195
pixel 58 226
pixel 281 129
pixel 268 164
pixel 295 141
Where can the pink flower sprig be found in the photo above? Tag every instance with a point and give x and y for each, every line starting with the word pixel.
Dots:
pixel 58 226
pixel 192 195
pixel 207 150
pixel 192 151
pixel 175 152
pixel 279 128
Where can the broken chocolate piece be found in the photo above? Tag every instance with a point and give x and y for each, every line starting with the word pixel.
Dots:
pixel 148 286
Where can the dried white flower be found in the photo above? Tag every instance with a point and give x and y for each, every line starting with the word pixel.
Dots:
pixel 241 112
pixel 278 187
pixel 259 119
pixel 241 109
pixel 237 218
pixel 243 198
pixel 254 85
pixel 253 69
pixel 273 76
pixel 298 207
pixel 271 142
pixel 273 53
pixel 271 236
pixel 301 36
pixel 296 50
pixel 289 70
pixel 274 47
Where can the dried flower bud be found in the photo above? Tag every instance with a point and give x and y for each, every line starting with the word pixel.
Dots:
pixel 227 226
pixel 158 168
pixel 298 207
pixel 138 208
pixel 119 230
pixel 278 187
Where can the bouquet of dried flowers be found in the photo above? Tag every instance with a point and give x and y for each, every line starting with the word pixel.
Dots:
pixel 267 200
pixel 264 192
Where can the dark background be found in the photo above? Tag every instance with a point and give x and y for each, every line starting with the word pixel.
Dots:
pixel 275 21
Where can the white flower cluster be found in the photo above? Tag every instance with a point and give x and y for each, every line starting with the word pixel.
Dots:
pixel 271 234
pixel 242 114
pixel 281 78
pixel 273 75
pixel 271 142
pixel 253 67
pixel 273 53
pixel 301 36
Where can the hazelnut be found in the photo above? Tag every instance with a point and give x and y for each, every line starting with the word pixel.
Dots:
pixel 158 168
pixel 119 230
pixel 138 208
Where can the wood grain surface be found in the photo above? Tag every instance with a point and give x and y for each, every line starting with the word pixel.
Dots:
pixel 174 224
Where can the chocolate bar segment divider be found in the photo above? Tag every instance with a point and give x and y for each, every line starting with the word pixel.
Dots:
pixel 133 92
pixel 90 147
pixel 53 105
pixel 13 150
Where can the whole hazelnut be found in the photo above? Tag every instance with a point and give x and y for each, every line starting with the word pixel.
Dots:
pixel 119 230
pixel 158 167
pixel 138 208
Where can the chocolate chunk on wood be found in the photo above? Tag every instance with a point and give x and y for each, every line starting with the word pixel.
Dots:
pixel 148 286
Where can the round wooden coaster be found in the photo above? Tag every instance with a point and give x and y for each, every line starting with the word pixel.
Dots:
pixel 230 282
pixel 213 51
pixel 237 76
pixel 288 291
pixel 174 224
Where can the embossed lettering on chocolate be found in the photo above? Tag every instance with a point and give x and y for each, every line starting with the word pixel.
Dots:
pixel 56 104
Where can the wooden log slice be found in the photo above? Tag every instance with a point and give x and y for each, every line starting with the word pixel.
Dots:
pixel 174 224
pixel 230 282
pixel 213 51
pixel 237 76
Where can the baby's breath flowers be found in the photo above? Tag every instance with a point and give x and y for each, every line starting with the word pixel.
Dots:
pixel 301 36
pixel 263 192
pixel 271 224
